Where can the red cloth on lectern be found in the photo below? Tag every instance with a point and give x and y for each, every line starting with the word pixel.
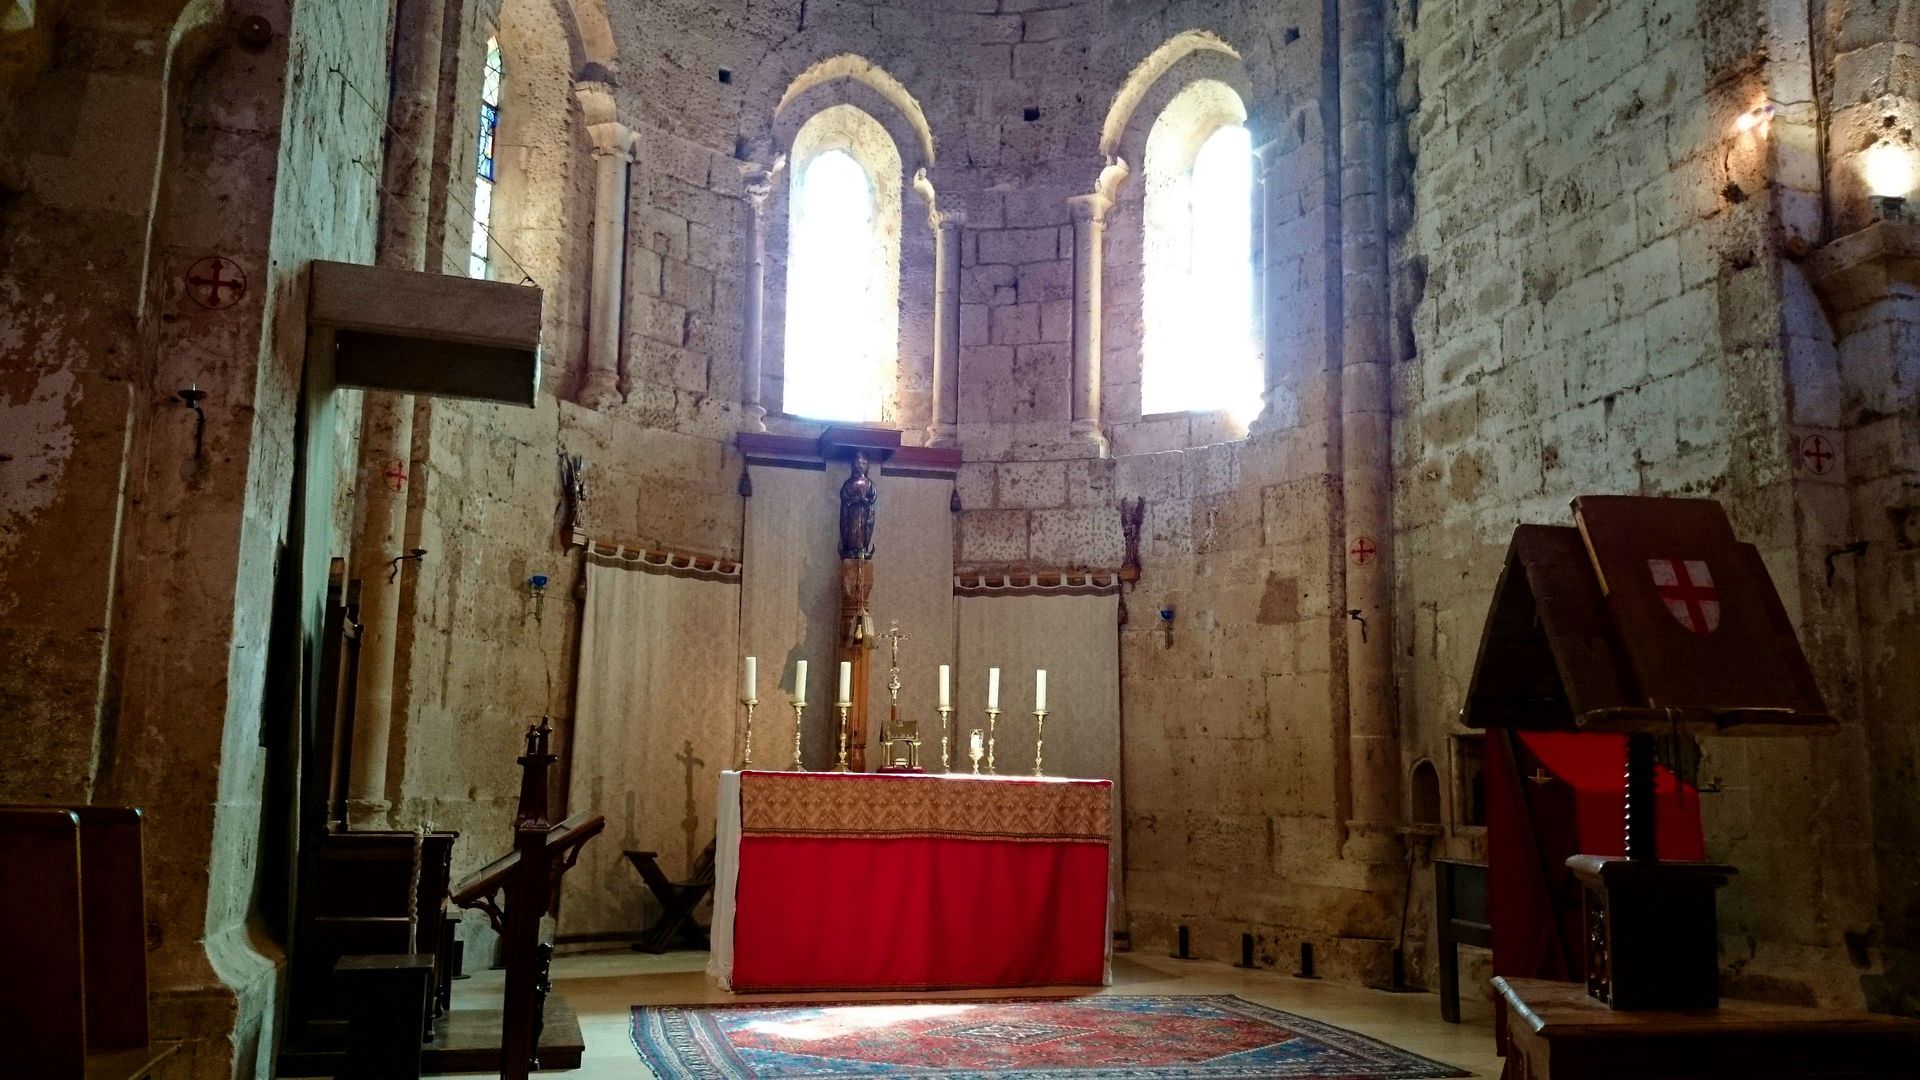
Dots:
pixel 1533 900
pixel 958 913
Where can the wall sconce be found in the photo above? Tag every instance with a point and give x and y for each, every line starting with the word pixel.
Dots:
pixel 1890 171
pixel 537 588
pixel 393 564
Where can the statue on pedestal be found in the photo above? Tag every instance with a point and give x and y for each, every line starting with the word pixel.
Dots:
pixel 857 497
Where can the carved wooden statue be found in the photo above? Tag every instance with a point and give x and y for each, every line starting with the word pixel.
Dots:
pixel 857 497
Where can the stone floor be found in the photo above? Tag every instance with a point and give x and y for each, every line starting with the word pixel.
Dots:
pixel 602 986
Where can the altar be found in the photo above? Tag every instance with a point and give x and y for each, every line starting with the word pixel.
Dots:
pixel 903 881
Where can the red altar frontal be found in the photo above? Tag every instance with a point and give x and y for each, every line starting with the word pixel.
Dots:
pixel 861 881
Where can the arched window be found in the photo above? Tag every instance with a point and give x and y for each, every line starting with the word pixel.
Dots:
pixel 843 269
pixel 1200 350
pixel 480 247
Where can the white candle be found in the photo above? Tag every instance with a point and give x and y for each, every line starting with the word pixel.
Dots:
pixel 1040 690
pixel 946 686
pixel 993 688
pixel 846 682
pixel 799 682
pixel 753 679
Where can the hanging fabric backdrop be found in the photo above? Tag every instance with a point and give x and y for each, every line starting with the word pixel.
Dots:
pixel 1077 640
pixel 655 722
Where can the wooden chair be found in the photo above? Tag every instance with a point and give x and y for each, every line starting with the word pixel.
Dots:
pixel 1460 902
pixel 73 928
pixel 677 899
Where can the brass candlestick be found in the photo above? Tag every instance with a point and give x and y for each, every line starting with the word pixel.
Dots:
pixel 993 719
pixel 799 718
pixel 1039 738
pixel 946 720
pixel 973 751
pixel 746 757
pixel 843 706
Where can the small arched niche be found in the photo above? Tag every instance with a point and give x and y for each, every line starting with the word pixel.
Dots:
pixel 1424 803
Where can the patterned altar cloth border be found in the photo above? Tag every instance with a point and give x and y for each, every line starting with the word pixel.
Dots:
pixel 877 806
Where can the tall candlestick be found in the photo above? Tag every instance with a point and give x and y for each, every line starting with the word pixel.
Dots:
pixel 842 765
pixel 799 682
pixel 1040 690
pixel 846 683
pixel 747 692
pixel 946 687
pixel 799 724
pixel 993 688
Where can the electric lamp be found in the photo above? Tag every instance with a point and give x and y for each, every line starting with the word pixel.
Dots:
pixel 1890 171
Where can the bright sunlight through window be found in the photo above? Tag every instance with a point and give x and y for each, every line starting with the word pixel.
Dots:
pixel 838 335
pixel 480 245
pixel 1200 352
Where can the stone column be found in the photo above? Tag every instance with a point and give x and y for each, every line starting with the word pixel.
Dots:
pixel 945 414
pixel 386 425
pixel 1089 247
pixel 1365 437
pixel 613 158
pixel 754 330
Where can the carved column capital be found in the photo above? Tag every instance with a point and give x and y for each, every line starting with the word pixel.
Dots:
pixel 602 114
pixel 943 220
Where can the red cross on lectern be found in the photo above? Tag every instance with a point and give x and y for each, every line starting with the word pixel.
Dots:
pixel 1686 587
pixel 1363 550
pixel 396 473
pixel 1818 453
pixel 216 282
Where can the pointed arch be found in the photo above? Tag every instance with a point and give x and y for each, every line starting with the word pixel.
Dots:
pixel 1188 43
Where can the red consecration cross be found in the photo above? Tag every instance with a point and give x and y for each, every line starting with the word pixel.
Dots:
pixel 1694 597
pixel 213 281
pixel 1817 452
pixel 1363 551
pixel 396 474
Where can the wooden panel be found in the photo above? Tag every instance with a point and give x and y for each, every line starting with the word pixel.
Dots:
pixel 1723 649
pixel 424 307
pixel 43 997
pixel 508 375
pixel 115 917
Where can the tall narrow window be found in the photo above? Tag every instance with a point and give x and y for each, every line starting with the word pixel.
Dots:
pixel 843 269
pixel 1200 351
pixel 480 248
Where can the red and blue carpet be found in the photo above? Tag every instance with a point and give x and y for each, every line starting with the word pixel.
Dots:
pixel 1116 1037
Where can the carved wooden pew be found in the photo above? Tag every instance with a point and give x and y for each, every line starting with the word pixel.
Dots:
pixel 73 926
pixel 519 890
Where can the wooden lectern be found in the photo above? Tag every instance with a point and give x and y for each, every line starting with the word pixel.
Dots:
pixel 1646 618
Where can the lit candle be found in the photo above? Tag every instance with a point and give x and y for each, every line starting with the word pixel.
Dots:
pixel 1040 690
pixel 799 682
pixel 753 679
pixel 993 688
pixel 946 686
pixel 846 682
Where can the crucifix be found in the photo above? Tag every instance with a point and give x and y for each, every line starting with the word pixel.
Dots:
pixel 899 742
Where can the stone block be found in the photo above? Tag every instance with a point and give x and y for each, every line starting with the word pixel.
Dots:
pixel 1088 537
pixel 1017 246
pixel 993 536
pixel 1018 324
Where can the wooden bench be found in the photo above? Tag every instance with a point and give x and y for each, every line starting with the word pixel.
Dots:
pixel 73 929
pixel 678 899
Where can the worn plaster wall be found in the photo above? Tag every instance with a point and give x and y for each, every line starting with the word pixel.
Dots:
pixel 153 139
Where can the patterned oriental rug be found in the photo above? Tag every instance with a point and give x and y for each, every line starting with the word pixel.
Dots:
pixel 1116 1037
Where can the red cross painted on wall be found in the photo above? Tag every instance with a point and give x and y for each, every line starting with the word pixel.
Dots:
pixel 396 474
pixel 1818 454
pixel 1686 587
pixel 216 282
pixel 1363 550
